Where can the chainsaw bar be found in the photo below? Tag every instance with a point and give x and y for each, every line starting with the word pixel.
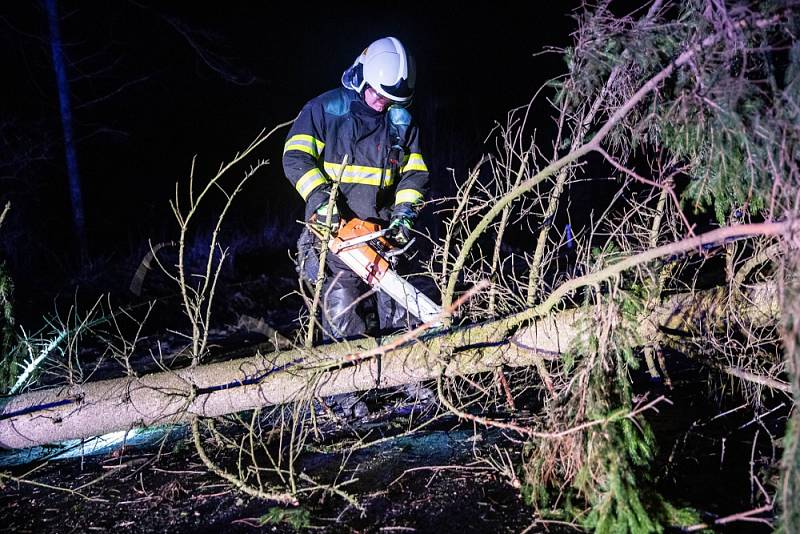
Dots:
pixel 410 298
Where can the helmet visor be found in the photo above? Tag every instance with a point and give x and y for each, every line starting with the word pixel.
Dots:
pixel 399 92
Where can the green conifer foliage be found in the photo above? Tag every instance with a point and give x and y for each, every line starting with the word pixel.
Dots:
pixel 727 116
pixel 607 466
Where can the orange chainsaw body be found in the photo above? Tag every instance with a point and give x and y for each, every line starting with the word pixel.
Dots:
pixel 365 260
pixel 366 255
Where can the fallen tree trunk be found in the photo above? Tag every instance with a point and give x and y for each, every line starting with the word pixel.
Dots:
pixel 95 408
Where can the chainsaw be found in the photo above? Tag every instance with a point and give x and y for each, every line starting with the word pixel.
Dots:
pixel 363 247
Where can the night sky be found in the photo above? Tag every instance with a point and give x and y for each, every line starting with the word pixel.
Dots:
pixel 154 83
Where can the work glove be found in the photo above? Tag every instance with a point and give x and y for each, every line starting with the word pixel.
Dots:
pixel 322 216
pixel 321 224
pixel 400 229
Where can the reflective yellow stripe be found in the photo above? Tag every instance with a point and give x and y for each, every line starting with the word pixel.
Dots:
pixel 408 195
pixel 304 143
pixel 358 174
pixel 414 162
pixel 309 181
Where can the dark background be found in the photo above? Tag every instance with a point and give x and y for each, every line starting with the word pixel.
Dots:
pixel 153 84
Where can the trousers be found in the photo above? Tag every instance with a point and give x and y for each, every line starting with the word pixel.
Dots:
pixel 350 308
pixel 347 304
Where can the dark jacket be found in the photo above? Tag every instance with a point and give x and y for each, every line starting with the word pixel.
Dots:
pixel 385 173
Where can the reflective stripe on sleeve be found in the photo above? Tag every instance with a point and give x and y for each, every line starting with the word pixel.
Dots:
pixel 413 162
pixel 411 196
pixel 309 181
pixel 304 143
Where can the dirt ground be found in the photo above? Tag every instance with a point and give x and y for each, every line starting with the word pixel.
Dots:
pixel 426 482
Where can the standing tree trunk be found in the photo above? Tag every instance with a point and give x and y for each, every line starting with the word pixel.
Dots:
pixel 65 108
pixel 789 490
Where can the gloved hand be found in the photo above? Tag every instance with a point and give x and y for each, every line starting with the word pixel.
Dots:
pixel 400 229
pixel 320 224
pixel 322 216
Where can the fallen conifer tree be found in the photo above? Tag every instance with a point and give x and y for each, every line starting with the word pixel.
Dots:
pixel 94 408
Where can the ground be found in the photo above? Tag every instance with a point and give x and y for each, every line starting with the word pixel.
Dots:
pixel 426 482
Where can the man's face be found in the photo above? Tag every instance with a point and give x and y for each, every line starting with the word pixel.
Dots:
pixel 376 101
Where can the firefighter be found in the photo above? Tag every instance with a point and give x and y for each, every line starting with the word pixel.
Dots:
pixel 385 180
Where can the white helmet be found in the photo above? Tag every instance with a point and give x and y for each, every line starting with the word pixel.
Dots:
pixel 386 67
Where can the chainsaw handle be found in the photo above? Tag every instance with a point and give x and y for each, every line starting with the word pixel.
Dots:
pixel 359 241
pixel 397 251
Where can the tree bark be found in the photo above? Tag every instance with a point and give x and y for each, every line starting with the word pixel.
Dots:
pixel 96 408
